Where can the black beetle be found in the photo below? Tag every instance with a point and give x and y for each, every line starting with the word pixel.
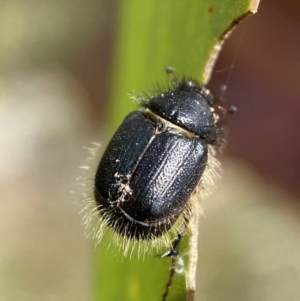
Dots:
pixel 156 162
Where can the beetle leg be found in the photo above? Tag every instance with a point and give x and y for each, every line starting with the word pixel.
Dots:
pixel 173 253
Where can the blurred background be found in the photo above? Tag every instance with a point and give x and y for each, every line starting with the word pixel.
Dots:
pixel 55 69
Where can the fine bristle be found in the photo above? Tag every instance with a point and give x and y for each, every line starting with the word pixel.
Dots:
pixel 97 224
pixel 212 173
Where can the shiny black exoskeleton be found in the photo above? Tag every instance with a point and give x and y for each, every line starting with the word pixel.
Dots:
pixel 155 161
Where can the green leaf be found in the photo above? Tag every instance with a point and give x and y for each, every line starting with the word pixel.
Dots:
pixel 153 34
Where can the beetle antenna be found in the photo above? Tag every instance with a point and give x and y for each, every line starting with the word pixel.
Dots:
pixel 232 109
pixel 170 71
pixel 225 111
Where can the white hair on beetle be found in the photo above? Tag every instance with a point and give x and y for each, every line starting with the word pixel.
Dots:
pixel 97 225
